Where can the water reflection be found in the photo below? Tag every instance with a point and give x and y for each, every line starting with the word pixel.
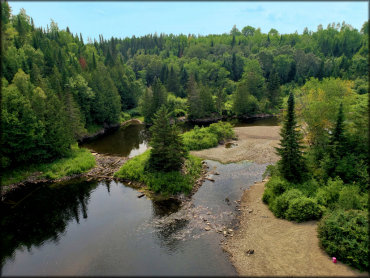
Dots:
pixel 128 141
pixel 32 216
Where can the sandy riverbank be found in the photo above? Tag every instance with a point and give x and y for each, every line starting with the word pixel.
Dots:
pixel 255 143
pixel 281 248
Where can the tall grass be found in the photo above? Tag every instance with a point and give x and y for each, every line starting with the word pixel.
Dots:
pixel 78 161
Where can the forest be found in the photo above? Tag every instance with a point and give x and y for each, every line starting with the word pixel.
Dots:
pixel 57 88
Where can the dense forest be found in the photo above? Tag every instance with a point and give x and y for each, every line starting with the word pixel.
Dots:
pixel 57 88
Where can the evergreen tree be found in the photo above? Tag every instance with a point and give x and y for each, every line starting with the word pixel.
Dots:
pixel 173 82
pixel 146 105
pixel 337 148
pixel 291 165
pixel 159 95
pixel 195 110
pixel 168 151
pixel 206 101
pixel 273 89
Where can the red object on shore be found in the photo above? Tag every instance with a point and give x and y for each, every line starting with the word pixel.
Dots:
pixel 334 260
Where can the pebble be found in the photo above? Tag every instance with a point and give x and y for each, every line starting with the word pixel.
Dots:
pixel 207 228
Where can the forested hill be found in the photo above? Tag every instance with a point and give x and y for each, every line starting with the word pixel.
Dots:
pixel 57 88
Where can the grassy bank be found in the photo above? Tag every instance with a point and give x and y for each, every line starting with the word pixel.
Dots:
pixel 79 161
pixel 341 209
pixel 208 137
pixel 160 182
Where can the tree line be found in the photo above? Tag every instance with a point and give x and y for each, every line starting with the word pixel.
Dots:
pixel 57 88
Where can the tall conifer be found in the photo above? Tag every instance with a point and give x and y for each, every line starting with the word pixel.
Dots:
pixel 292 165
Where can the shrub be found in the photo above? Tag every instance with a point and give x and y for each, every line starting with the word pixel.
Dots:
pixel 281 203
pixel 328 195
pixel 135 112
pixel 277 185
pixel 271 170
pixel 199 138
pixel 267 196
pixel 309 187
pixel 223 130
pixel 303 209
pixel 344 234
pixel 207 137
pixel 350 198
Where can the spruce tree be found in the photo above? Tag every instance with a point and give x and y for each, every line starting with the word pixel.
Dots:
pixel 194 101
pixel 168 151
pixel 291 165
pixel 337 147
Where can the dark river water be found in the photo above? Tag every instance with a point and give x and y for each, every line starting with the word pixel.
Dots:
pixel 103 228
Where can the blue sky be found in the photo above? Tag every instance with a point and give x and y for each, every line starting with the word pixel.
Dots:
pixel 122 19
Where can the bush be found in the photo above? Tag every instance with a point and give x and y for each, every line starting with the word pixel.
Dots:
pixel 328 195
pixel 344 234
pixel 267 196
pixel 135 112
pixel 281 203
pixel 274 188
pixel 199 138
pixel 277 185
pixel 350 198
pixel 162 182
pixel 271 170
pixel 207 137
pixel 223 130
pixel 309 187
pixel 303 209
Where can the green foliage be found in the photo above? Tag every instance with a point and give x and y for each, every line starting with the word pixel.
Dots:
pixel 207 137
pixel 302 209
pixel 78 161
pixel 328 195
pixel 282 202
pixel 168 151
pixel 176 106
pixel 350 198
pixel 199 138
pixel 344 234
pixel 164 182
pixel 274 187
pixel 292 165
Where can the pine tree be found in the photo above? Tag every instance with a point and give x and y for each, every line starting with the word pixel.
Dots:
pixel 94 61
pixel 338 134
pixel 194 101
pixel 173 82
pixel 273 89
pixel 159 95
pixel 337 147
pixel 291 165
pixel 168 151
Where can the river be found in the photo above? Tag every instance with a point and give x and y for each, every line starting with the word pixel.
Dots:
pixel 103 228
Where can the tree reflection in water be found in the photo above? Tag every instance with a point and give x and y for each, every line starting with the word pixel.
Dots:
pixel 32 216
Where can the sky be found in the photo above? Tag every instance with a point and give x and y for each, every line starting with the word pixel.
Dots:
pixel 124 19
